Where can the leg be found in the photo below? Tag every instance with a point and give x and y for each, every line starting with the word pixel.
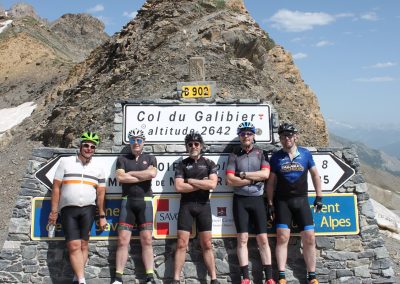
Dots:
pixel 124 237
pixel 76 257
pixel 180 254
pixel 146 240
pixel 282 240
pixel 208 254
pixel 241 249
pixel 308 240
pixel 85 251
pixel 265 251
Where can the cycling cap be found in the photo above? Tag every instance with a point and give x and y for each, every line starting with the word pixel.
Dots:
pixel 194 136
pixel 90 136
pixel 287 127
pixel 136 133
pixel 246 125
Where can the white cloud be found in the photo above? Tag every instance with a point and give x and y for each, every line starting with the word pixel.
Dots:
pixel 375 79
pixel 383 65
pixel 296 21
pixel 345 15
pixel 130 15
pixel 300 55
pixel 370 16
pixel 95 9
pixel 323 43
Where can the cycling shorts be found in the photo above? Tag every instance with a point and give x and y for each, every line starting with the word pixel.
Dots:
pixel 77 222
pixel 136 212
pixel 296 209
pixel 199 211
pixel 249 210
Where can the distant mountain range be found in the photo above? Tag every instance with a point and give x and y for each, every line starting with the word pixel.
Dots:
pixel 382 137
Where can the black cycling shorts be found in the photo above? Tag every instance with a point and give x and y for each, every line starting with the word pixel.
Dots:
pixel 199 211
pixel 136 212
pixel 77 222
pixel 296 209
pixel 249 210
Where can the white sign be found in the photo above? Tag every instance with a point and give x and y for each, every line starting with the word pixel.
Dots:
pixel 332 170
pixel 216 123
pixel 162 183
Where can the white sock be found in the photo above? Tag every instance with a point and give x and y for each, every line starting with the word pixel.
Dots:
pixel 82 281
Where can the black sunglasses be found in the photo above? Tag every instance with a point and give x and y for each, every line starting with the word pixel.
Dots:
pixel 195 144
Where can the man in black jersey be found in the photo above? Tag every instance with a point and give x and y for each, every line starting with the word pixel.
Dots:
pixel 195 176
pixel 135 173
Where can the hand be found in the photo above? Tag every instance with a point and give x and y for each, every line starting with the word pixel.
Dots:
pixel 53 217
pixel 103 223
pixel 318 204
pixel 270 212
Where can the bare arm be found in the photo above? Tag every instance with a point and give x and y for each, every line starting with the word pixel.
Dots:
pixel 146 174
pixel 182 186
pixel 55 199
pixel 233 180
pixel 316 180
pixel 101 192
pixel 204 184
pixel 271 188
pixel 260 175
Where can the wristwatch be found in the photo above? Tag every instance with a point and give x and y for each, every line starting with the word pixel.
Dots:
pixel 102 216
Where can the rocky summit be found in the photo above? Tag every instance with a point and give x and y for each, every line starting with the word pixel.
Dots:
pixel 151 53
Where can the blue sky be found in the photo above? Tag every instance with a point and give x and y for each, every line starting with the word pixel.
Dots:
pixel 347 50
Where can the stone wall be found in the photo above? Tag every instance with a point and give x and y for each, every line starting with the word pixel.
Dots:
pixel 360 258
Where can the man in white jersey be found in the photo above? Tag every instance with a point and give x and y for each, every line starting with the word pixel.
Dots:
pixel 78 184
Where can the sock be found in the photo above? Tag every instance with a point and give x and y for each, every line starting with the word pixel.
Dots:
pixel 82 281
pixel 214 281
pixel 282 275
pixel 311 275
pixel 245 271
pixel 118 275
pixel 75 278
pixel 268 271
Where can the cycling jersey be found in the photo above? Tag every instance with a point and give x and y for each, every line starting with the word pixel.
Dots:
pixel 196 169
pixel 252 161
pixel 138 190
pixel 79 182
pixel 291 174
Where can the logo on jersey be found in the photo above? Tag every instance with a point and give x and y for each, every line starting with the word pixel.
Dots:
pixel 144 162
pixel 292 167
pixel 221 211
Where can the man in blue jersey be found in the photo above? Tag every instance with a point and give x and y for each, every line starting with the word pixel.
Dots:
pixel 287 186
pixel 246 172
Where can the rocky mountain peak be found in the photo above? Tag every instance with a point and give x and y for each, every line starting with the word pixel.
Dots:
pixel 22 10
pixel 150 54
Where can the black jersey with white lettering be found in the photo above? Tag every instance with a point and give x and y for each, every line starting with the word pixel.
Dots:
pixel 196 169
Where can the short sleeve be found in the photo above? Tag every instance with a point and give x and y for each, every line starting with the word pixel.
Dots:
pixel 231 168
pixel 311 162
pixel 212 167
pixel 264 161
pixel 59 174
pixel 120 164
pixel 153 161
pixel 179 170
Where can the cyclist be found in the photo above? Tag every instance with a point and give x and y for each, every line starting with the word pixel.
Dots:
pixel 288 182
pixel 135 173
pixel 195 176
pixel 246 172
pixel 78 184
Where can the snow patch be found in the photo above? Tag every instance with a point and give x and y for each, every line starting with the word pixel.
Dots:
pixel 11 117
pixel 4 25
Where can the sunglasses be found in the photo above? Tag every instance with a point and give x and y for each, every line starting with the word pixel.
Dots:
pixel 286 135
pixel 195 144
pixel 244 134
pixel 86 145
pixel 136 140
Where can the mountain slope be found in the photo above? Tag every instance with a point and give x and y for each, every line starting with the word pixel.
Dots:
pixel 35 56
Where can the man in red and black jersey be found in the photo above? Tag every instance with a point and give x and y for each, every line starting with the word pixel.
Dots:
pixel 195 176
